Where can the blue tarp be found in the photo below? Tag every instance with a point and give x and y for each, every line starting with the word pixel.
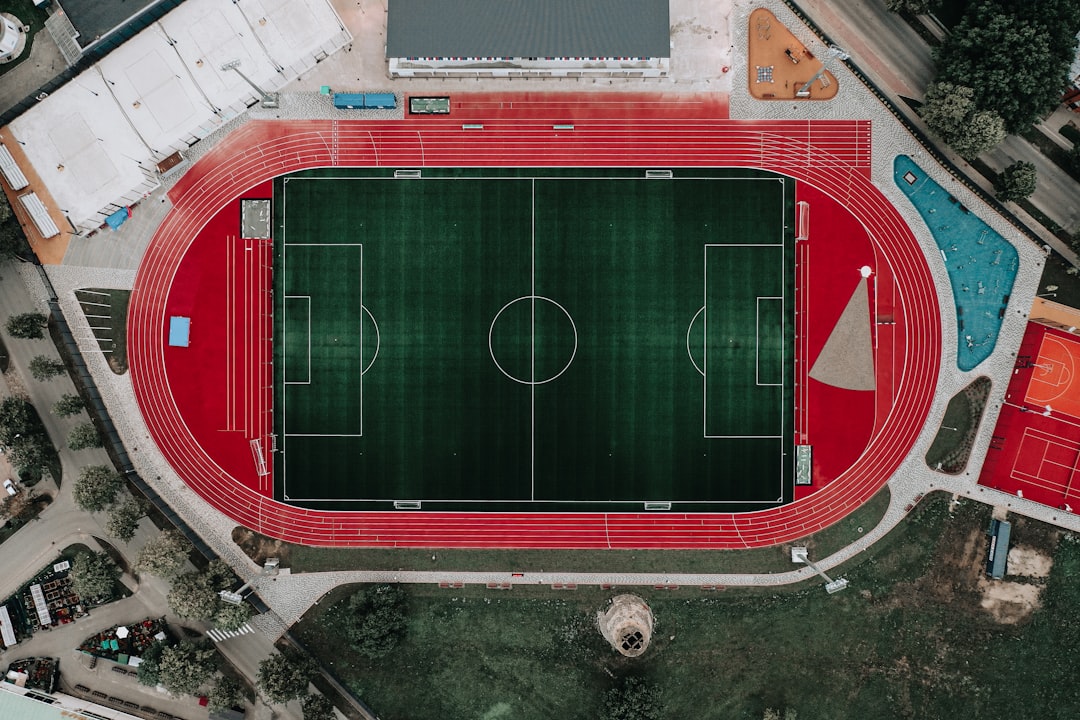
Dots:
pixel 179 331
pixel 376 101
pixel 349 101
pixel 118 218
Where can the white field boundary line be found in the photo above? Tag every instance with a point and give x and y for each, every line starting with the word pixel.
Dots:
pixel 780 244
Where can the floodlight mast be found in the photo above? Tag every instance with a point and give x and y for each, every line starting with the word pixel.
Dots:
pixel 269 100
pixel 834 51
pixel 798 554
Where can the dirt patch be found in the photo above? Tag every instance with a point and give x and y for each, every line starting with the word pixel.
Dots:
pixel 1029 562
pixel 260 547
pixel 1010 602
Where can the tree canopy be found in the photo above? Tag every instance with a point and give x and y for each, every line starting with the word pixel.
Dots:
pixel 285 676
pixel 84 436
pixel 231 617
pixel 164 555
pixel 96 488
pixel 950 112
pixel 12 239
pixel 124 518
pixel 374 619
pixel 28 326
pixel 149 668
pixel 44 368
pixel 632 699
pixel 1016 182
pixel 93 576
pixel 194 595
pixel 68 405
pixel 317 707
pixel 186 667
pixel 223 695
pixel 1015 56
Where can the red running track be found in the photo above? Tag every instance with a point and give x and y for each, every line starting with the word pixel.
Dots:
pixel 832 155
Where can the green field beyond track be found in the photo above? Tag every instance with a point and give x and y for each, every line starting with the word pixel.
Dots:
pixel 534 339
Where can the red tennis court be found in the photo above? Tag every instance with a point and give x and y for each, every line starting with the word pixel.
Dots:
pixel 1035 450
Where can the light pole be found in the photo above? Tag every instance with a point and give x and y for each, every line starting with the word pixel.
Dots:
pixel 798 555
pixel 833 51
pixel 269 100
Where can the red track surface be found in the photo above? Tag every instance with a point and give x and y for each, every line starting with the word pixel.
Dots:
pixel 1031 453
pixel 833 156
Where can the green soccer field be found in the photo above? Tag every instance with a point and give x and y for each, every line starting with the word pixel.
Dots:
pixel 508 340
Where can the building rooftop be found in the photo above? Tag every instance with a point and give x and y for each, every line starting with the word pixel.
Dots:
pixel 528 28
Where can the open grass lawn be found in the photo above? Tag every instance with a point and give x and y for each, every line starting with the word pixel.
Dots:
pixel 908 638
pixel 301 558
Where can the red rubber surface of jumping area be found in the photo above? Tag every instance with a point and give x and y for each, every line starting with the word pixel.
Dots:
pixel 609 130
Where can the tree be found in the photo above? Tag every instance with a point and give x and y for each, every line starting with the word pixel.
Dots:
pixel 786 714
pixel 124 518
pixel 950 112
pixel 29 454
pixel 191 596
pixel 915 7
pixel 12 240
pixel 93 576
pixel 68 405
pixel 164 555
pixel 375 620
pixel 985 131
pixel 1014 55
pixel 149 668
pixel 317 707
pixel 225 694
pixel 231 617
pixel 1016 182
pixel 84 436
pixel 184 668
pixel 45 368
pixel 16 418
pixel 28 326
pixel 285 676
pixel 96 488
pixel 195 594
pixel 632 699
pixel 1073 160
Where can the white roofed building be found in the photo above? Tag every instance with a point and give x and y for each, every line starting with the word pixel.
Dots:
pixel 96 142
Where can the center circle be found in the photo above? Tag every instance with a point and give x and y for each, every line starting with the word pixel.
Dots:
pixel 532 340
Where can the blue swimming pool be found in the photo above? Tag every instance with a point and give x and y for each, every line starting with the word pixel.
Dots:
pixel 982 265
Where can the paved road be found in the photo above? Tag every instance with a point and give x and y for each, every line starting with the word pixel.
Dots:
pixel 896 58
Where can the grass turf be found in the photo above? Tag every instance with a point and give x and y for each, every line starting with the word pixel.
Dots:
pixel 908 639
pixel 483 288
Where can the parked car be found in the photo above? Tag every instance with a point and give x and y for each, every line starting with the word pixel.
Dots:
pixel 9 485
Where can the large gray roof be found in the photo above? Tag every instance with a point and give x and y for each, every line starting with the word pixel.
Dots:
pixel 527 28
